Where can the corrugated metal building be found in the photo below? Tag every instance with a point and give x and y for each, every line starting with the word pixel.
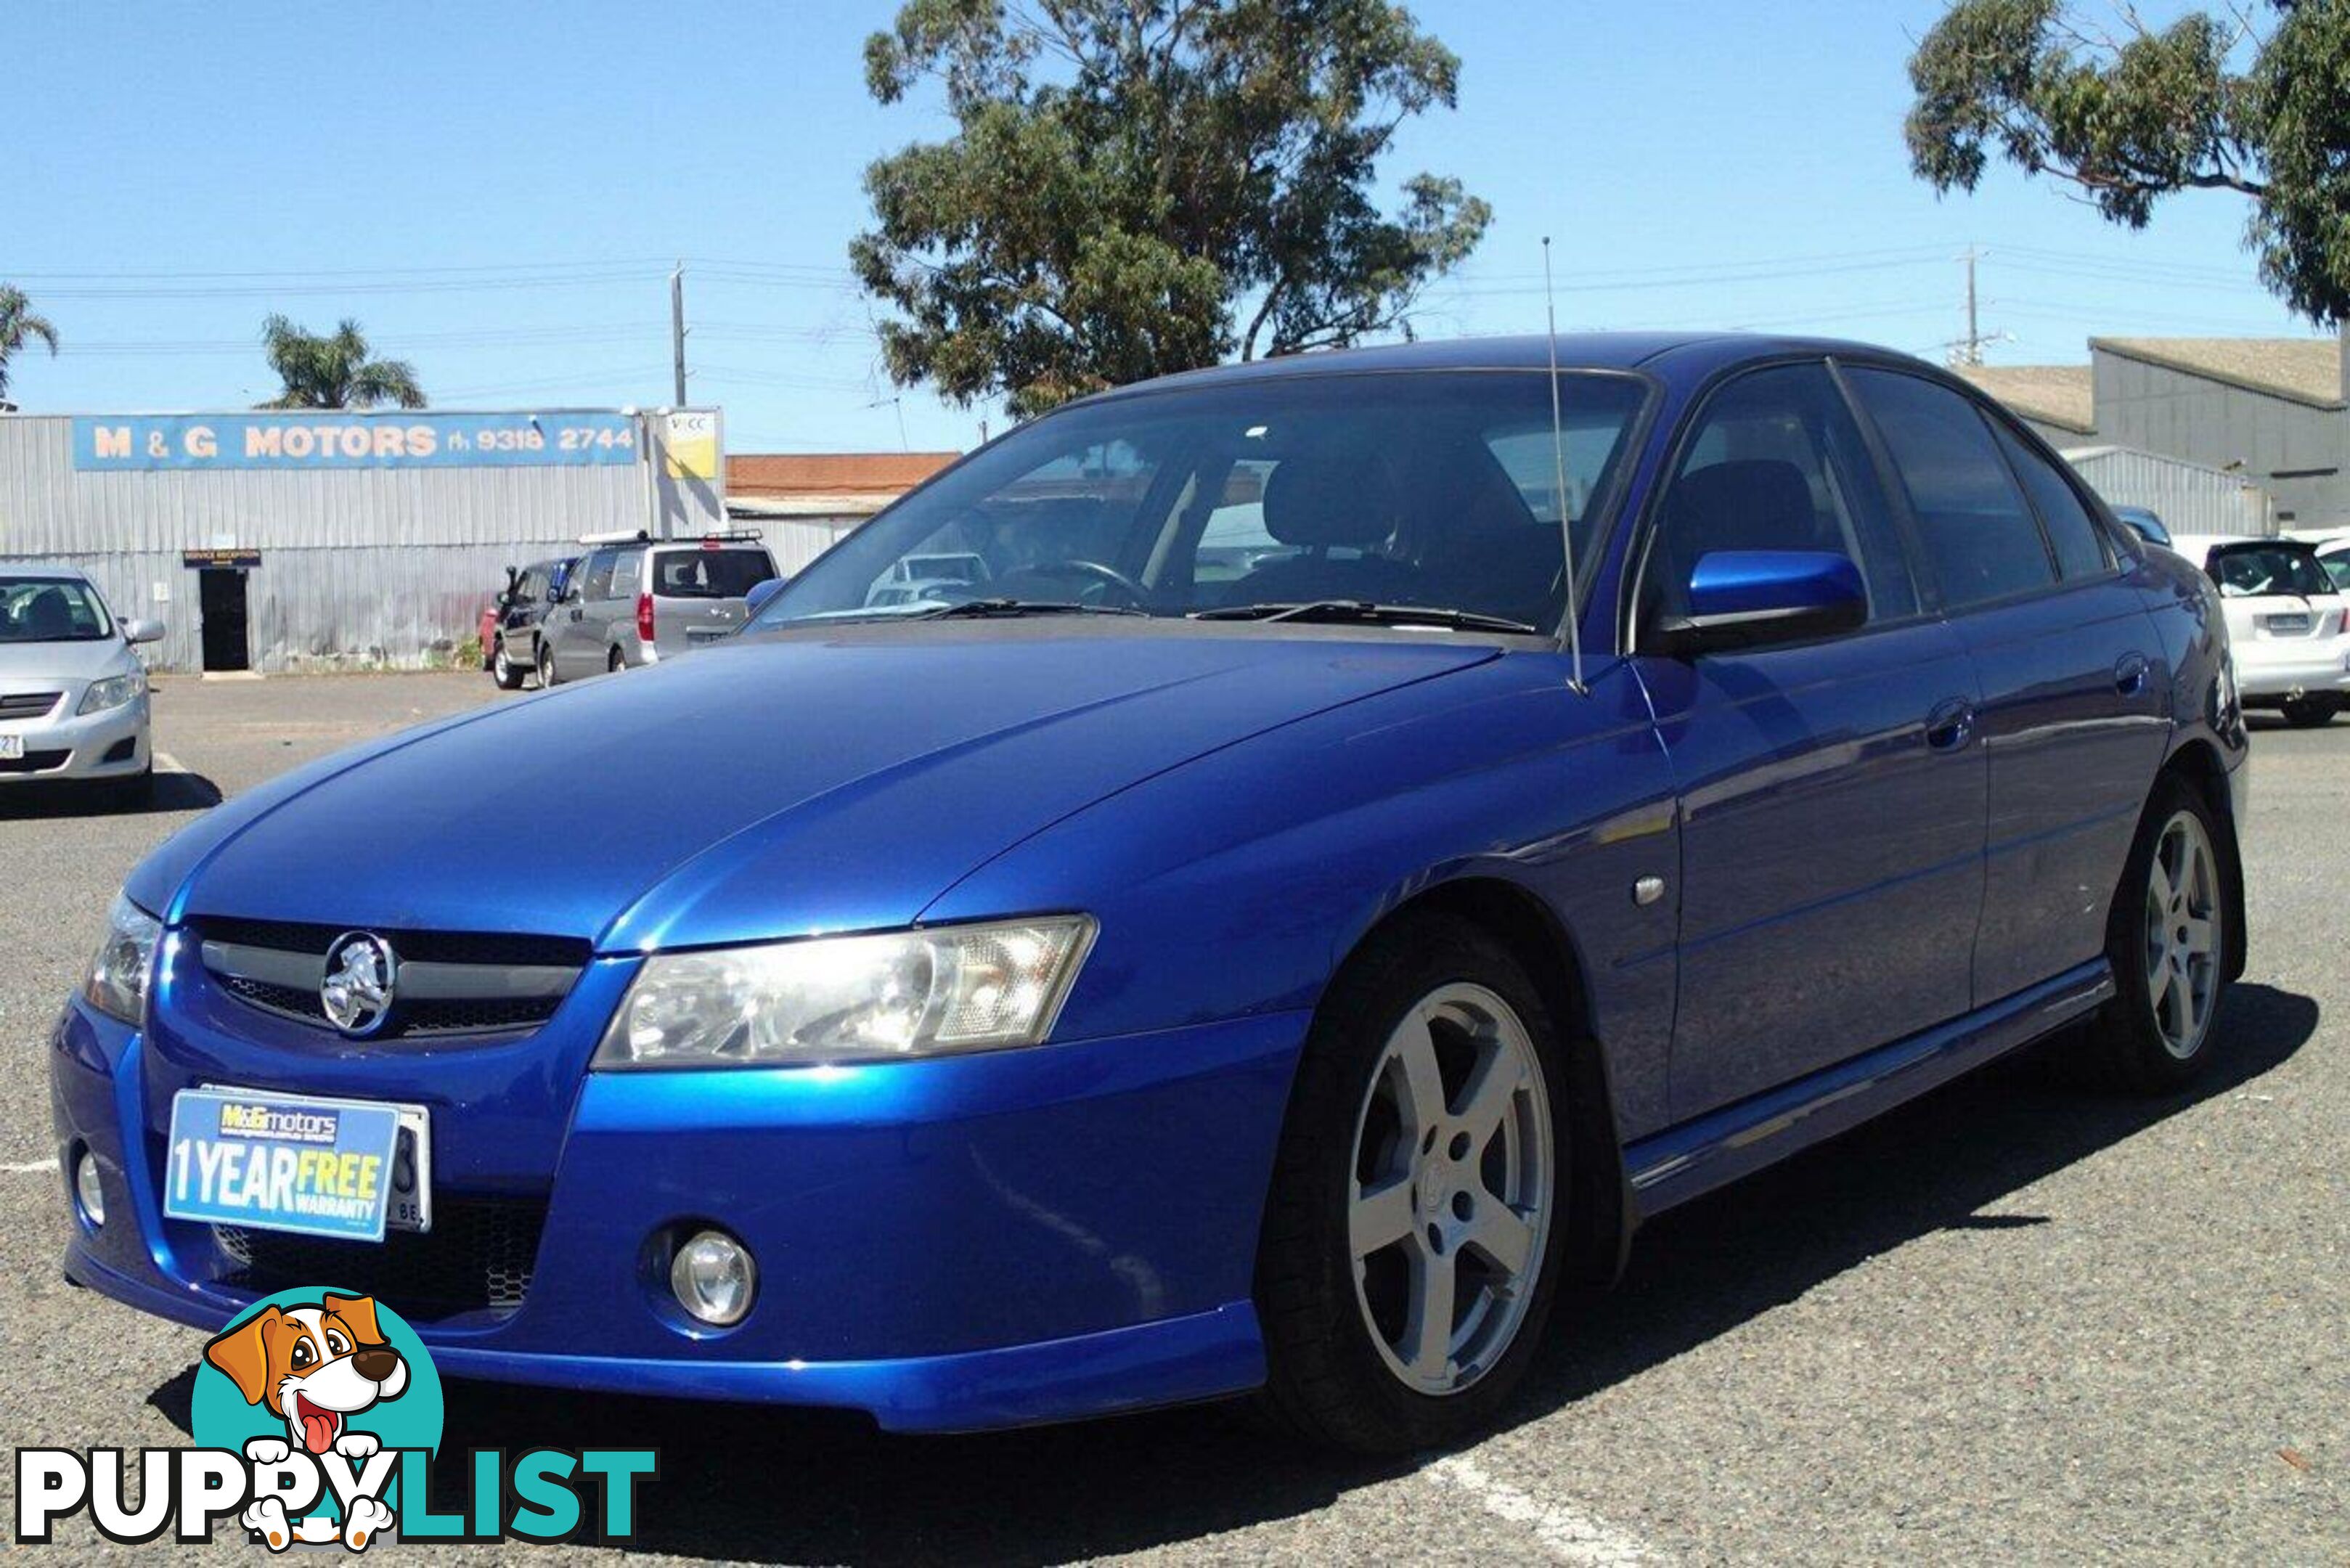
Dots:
pixel 804 501
pixel 2055 400
pixel 314 540
pixel 2272 409
pixel 2189 497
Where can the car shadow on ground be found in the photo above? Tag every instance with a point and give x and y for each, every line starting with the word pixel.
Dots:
pixel 167 792
pixel 741 1482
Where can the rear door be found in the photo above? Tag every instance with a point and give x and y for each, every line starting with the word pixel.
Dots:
pixel 1832 790
pixel 2074 716
pixel 576 624
pixel 699 592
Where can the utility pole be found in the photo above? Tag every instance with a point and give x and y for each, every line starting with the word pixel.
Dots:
pixel 677 328
pixel 1968 350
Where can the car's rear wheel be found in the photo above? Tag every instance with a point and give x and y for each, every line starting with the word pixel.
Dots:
pixel 547 675
pixel 502 669
pixel 2167 939
pixel 2308 713
pixel 615 664
pixel 1412 1244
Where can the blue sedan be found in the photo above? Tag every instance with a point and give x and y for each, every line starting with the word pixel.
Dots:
pixel 1353 839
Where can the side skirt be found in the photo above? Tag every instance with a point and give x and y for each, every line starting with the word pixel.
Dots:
pixel 1683 1162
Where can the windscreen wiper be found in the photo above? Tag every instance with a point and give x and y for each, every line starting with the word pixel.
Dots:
pixel 989 609
pixel 1363 612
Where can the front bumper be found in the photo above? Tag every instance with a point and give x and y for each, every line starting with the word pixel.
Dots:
pixel 112 744
pixel 947 1245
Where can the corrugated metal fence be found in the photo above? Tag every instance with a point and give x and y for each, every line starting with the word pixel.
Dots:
pixel 2189 497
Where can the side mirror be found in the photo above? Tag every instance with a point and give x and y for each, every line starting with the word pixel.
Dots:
pixel 142 631
pixel 762 592
pixel 1748 598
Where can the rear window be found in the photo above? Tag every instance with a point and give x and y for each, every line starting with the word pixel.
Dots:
pixel 2259 571
pixel 701 574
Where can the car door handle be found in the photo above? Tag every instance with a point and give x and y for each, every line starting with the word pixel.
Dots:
pixel 1951 725
pixel 2129 674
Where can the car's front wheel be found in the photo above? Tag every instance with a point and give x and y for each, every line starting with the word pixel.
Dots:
pixel 504 670
pixel 2168 940
pixel 1411 1244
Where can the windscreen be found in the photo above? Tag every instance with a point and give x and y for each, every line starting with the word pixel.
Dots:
pixel 1424 489
pixel 46 610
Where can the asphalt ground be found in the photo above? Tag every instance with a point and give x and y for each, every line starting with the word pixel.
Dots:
pixel 2020 1321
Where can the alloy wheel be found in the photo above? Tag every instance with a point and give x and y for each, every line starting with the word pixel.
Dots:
pixel 2182 934
pixel 1454 1171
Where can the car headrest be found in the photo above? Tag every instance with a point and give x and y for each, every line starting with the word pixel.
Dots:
pixel 1750 503
pixel 1321 501
pixel 47 614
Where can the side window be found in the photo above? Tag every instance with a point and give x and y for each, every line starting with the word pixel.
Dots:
pixel 1980 536
pixel 1777 464
pixel 597 584
pixel 2079 551
pixel 628 569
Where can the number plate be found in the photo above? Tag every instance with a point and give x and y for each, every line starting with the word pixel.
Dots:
pixel 2289 625
pixel 347 1168
pixel 12 747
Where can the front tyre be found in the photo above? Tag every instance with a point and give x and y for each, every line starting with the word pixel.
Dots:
pixel 2167 939
pixel 1412 1240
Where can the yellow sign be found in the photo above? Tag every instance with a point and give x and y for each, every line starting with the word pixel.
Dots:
pixel 690 443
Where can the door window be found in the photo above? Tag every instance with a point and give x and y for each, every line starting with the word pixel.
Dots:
pixel 598 582
pixel 1980 536
pixel 2080 552
pixel 1777 464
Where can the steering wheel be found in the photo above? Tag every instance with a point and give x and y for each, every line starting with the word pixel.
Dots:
pixel 1138 595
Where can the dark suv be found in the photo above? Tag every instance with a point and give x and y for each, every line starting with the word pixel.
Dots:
pixel 520 610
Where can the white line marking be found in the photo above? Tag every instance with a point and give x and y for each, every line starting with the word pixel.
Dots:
pixel 165 762
pixel 1572 1535
pixel 31 1166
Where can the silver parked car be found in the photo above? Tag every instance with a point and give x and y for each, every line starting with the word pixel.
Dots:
pixel 643 601
pixel 73 696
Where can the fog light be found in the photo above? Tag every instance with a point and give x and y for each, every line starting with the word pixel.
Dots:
pixel 713 1279
pixel 87 1194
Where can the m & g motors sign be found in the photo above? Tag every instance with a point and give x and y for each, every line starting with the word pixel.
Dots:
pixel 400 440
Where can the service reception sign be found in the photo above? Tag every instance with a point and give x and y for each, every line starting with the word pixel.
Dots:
pixel 324 440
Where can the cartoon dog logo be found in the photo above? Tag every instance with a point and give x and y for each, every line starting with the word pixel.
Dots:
pixel 315 1367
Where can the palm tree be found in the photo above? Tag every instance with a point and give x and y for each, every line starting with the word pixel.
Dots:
pixel 334 372
pixel 18 326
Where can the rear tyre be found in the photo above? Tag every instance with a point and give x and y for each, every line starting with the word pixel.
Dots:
pixel 2167 939
pixel 2308 713
pixel 547 675
pixel 504 670
pixel 1417 1219
pixel 615 663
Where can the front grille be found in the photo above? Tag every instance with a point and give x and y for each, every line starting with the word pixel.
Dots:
pixel 413 947
pixel 478 1257
pixel 33 762
pixel 27 704
pixel 478 983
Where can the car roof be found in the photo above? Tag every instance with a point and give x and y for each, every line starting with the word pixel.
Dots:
pixel 1674 352
pixel 41 572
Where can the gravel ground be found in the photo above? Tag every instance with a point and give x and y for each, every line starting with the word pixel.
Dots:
pixel 2017 1322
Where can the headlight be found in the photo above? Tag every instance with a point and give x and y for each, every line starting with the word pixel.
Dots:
pixel 114 692
pixel 117 975
pixel 850 999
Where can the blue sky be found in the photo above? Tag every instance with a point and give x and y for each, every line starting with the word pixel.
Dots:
pixel 496 191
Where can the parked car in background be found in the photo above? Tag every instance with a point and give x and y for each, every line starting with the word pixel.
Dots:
pixel 2143 522
pixel 2333 555
pixel 516 642
pixel 73 696
pixel 2288 619
pixel 638 601
pixel 1115 989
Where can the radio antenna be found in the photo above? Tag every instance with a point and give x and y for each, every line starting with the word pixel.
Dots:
pixel 1558 460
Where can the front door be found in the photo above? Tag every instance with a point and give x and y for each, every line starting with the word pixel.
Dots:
pixel 1831 791
pixel 220 597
